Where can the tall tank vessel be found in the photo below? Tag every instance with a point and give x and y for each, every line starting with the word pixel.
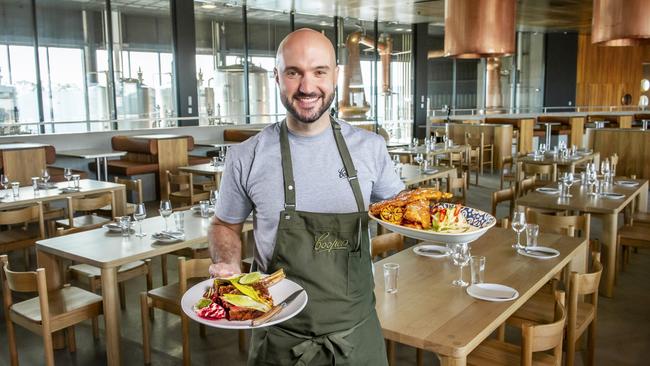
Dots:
pixel 230 92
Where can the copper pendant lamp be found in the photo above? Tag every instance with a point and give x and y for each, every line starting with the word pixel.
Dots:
pixel 621 22
pixel 479 28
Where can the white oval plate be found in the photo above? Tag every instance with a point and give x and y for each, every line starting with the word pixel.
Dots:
pixel 627 183
pixel 437 251
pixel 168 240
pixel 115 228
pixel 279 292
pixel 547 190
pixel 552 253
pixel 490 292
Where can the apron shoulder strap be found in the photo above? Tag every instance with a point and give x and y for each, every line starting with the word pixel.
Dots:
pixel 348 164
pixel 287 169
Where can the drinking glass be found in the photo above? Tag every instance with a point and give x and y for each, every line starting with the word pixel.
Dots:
pixel 214 196
pixel 215 161
pixel 205 208
pixel 415 142
pixel 532 232
pixel 568 180
pixel 419 159
pixel 165 211
pixel 46 177
pixel 138 215
pixel 125 225
pixel 518 225
pixel 75 180
pixel 179 221
pixel 5 182
pixel 391 271
pixel 477 269
pixel 15 189
pixel 35 185
pixel 67 174
pixel 460 256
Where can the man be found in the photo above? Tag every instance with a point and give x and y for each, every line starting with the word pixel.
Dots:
pixel 309 181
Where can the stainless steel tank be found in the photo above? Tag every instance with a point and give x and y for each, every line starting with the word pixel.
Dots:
pixel 231 91
pixel 137 102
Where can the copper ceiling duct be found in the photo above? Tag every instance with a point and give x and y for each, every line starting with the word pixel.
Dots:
pixel 479 28
pixel 353 104
pixel 621 22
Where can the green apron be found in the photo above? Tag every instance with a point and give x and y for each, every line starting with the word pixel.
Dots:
pixel 328 254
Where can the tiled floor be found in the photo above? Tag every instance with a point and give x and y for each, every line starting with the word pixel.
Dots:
pixel 623 323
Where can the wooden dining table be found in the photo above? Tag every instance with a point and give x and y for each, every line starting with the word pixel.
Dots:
pixel 86 187
pixel 207 170
pixel 109 251
pixel 548 159
pixel 429 313
pixel 439 149
pixel 606 209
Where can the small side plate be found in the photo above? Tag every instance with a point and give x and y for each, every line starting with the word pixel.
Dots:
pixel 431 250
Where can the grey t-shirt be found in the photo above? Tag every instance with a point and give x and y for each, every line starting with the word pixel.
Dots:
pixel 252 179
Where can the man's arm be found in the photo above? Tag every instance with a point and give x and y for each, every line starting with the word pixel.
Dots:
pixel 224 242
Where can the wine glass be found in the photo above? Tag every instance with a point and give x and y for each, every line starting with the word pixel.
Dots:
pixel 46 177
pixel 5 183
pixel 214 196
pixel 67 174
pixel 419 159
pixel 138 215
pixel 518 225
pixel 165 211
pixel 460 255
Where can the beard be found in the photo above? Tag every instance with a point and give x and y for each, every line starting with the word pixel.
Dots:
pixel 308 117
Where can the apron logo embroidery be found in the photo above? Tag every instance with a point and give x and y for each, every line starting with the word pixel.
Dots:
pixel 326 244
pixel 343 173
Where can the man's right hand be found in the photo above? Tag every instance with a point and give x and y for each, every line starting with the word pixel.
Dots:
pixel 224 270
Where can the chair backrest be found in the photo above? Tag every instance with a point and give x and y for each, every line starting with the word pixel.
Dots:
pixel 503 195
pixel 90 203
pixel 191 268
pixel 383 244
pixel 132 185
pixel 180 181
pixel 526 185
pixel 565 225
pixel 506 162
pixel 455 183
pixel 548 170
pixel 613 161
pixel 24 215
pixel 72 230
pixel 581 284
pixel 24 282
pixel 543 337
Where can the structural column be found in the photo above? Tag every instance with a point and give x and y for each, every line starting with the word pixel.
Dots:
pixel 184 46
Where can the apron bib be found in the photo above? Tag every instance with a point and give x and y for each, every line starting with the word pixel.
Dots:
pixel 329 256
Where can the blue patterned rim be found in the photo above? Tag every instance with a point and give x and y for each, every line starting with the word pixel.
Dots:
pixel 474 217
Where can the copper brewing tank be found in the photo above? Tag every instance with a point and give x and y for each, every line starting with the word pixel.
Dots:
pixel 621 22
pixel 479 28
pixel 353 103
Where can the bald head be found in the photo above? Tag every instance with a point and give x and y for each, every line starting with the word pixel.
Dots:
pixel 305 40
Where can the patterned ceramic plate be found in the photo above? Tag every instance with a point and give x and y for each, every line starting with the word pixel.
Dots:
pixel 479 221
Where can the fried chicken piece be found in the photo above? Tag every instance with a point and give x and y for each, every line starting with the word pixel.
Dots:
pixel 418 212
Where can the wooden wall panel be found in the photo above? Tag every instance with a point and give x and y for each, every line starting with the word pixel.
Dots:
pixel 605 74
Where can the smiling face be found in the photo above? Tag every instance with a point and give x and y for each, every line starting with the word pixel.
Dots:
pixel 306 74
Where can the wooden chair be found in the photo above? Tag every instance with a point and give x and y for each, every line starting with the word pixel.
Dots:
pixel 582 309
pixel 564 225
pixel 535 338
pixel 484 149
pixel 545 173
pixel 613 162
pixel 168 298
pixel 526 185
pixel 132 186
pixel 632 236
pixel 49 312
pixel 22 232
pixel 458 185
pixel 89 205
pixel 474 157
pixel 503 195
pixel 92 274
pixel 186 193
pixel 508 172
pixel 382 245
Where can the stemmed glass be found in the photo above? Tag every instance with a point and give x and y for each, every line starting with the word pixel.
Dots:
pixel 518 225
pixel 568 180
pixel 460 255
pixel 5 183
pixel 542 149
pixel 419 159
pixel 67 174
pixel 46 178
pixel 165 211
pixel 138 215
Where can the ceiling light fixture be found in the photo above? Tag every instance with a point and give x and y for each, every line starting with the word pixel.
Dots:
pixel 479 28
pixel 620 23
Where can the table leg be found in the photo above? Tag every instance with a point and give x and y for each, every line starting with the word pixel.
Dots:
pixel 452 361
pixel 642 200
pixel 609 245
pixel 548 136
pixel 99 168
pixel 105 159
pixel 111 315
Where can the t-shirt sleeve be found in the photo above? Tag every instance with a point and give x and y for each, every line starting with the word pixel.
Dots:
pixel 234 205
pixel 388 184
